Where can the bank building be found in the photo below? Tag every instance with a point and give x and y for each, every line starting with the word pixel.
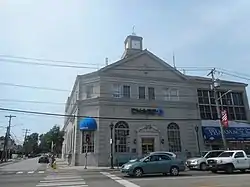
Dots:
pixel 150 106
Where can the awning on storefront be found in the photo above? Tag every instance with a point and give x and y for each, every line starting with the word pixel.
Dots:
pixel 88 124
pixel 235 132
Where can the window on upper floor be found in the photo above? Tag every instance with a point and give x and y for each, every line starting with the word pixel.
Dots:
pixel 171 94
pixel 117 90
pixel 151 93
pixel 89 91
pixel 126 91
pixel 120 90
pixel 142 92
pixel 231 102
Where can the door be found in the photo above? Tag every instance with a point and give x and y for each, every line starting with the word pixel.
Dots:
pixel 241 161
pixel 147 145
pixel 164 163
pixel 152 165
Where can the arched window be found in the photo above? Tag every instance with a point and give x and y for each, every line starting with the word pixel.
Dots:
pixel 121 135
pixel 174 138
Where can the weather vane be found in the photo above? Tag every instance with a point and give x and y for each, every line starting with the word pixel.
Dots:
pixel 133 33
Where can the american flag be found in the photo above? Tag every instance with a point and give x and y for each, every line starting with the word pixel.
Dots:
pixel 224 118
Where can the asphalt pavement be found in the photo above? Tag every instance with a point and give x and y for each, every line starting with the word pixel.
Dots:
pixel 111 178
pixel 30 166
pixel 187 179
pixel 24 180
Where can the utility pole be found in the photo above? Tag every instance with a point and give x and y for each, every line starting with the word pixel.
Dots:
pixel 214 86
pixel 25 137
pixel 6 140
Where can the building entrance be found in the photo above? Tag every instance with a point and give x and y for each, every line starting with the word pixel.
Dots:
pixel 147 145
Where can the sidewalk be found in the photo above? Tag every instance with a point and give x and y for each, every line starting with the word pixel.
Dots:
pixel 63 165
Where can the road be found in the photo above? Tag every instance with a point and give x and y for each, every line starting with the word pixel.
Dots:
pixel 95 178
pixel 24 166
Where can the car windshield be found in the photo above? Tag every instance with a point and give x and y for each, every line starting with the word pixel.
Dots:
pixel 226 154
pixel 203 153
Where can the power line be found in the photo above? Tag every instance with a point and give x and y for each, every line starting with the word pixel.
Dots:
pixel 46 60
pixel 33 87
pixel 47 64
pixel 135 68
pixel 81 116
pixel 67 62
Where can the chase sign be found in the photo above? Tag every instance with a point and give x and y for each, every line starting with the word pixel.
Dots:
pixel 147 111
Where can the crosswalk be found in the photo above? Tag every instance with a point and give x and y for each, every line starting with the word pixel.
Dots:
pixel 63 180
pixel 21 172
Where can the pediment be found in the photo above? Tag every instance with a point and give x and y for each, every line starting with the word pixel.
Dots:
pixel 148 128
pixel 144 64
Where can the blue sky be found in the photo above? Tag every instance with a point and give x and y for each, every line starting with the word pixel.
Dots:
pixel 201 33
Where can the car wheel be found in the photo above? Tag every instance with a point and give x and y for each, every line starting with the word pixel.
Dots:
pixel 174 171
pixel 229 169
pixel 214 171
pixel 242 170
pixel 203 166
pixel 138 172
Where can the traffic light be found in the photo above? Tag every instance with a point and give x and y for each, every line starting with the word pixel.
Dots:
pixel 87 138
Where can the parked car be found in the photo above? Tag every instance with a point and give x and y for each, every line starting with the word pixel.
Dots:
pixel 160 152
pixel 229 161
pixel 200 163
pixel 154 163
pixel 44 159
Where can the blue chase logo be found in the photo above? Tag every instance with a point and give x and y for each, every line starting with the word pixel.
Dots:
pixel 147 111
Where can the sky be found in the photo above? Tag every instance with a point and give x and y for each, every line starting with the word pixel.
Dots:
pixel 200 33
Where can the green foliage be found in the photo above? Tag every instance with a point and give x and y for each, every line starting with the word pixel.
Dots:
pixel 31 143
pixel 54 135
pixel 36 143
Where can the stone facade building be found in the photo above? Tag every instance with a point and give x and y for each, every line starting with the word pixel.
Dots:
pixel 152 106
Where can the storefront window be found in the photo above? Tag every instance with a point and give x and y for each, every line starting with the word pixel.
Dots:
pixel 121 135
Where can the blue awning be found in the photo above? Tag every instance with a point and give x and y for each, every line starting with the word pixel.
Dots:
pixel 88 124
pixel 231 133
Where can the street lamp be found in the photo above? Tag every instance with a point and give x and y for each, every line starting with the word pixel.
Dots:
pixel 219 115
pixel 111 146
pixel 197 138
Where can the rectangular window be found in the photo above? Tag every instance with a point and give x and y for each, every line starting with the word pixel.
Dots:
pixel 89 91
pixel 151 93
pixel 238 99
pixel 166 94
pixel 174 94
pixel 126 91
pixel 117 91
pixel 88 147
pixel 205 112
pixel 142 92
pixel 240 113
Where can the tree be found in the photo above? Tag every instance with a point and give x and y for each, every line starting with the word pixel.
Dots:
pixel 54 135
pixel 31 144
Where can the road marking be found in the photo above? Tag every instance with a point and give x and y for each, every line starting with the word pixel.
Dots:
pixel 65 177
pixel 119 180
pixel 30 172
pixel 188 177
pixel 62 184
pixel 19 172
pixel 41 171
pixel 62 180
